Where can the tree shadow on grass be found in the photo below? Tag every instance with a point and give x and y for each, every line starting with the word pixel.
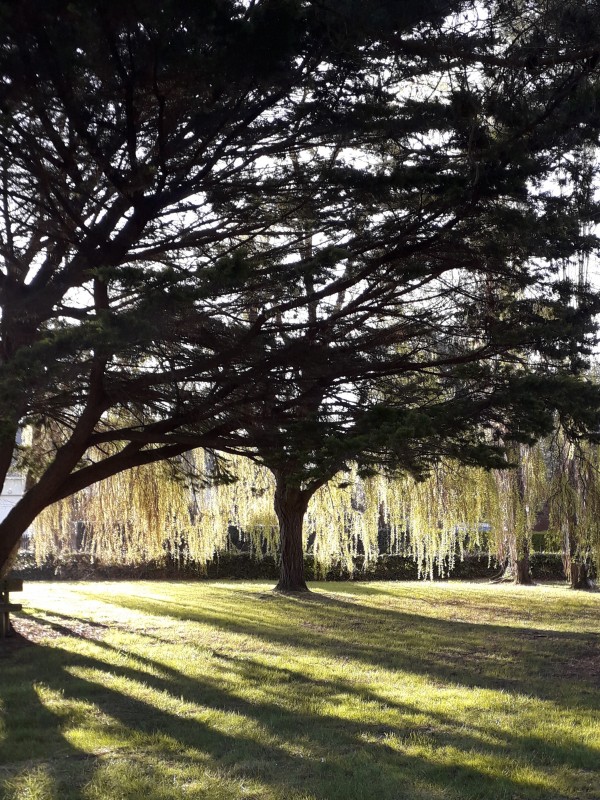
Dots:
pixel 531 661
pixel 291 733
pixel 35 758
pixel 293 747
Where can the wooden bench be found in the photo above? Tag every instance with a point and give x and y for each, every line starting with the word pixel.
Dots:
pixel 7 586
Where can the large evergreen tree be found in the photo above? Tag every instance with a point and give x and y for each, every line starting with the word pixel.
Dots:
pixel 307 232
pixel 419 307
pixel 121 130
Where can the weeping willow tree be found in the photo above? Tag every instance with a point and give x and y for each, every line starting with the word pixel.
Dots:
pixel 156 512
pixel 519 497
pixel 439 519
pixel 171 510
pixel 574 506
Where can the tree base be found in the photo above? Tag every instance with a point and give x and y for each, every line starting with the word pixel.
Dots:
pixel 301 589
pixel 517 574
pixel 522 575
pixel 578 577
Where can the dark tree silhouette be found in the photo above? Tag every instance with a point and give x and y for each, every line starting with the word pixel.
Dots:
pixel 308 232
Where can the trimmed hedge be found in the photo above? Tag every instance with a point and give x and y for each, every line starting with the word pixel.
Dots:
pixel 79 566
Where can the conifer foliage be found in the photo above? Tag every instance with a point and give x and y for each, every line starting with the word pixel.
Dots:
pixel 314 234
pixel 134 143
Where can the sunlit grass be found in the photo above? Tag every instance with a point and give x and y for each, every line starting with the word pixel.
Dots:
pixel 224 690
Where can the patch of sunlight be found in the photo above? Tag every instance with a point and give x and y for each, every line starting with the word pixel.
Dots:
pixel 554 606
pixel 518 770
pixel 159 779
pixel 76 712
pixel 544 719
pixel 489 716
pixel 135 688
pixel 231 723
pixel 84 726
pixel 35 784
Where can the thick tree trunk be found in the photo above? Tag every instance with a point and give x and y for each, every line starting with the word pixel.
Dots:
pixel 578 576
pixel 575 569
pixel 291 503
pixel 8 564
pixel 520 564
pixel 12 529
pixel 522 575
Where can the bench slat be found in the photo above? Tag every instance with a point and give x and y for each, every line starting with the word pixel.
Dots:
pixel 6 607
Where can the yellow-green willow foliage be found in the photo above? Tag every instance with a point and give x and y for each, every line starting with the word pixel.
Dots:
pixel 131 518
pixel 519 497
pixel 148 513
pixel 574 506
pixel 152 512
pixel 343 519
pixel 440 518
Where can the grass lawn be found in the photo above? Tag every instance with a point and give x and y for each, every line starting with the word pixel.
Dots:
pixel 222 690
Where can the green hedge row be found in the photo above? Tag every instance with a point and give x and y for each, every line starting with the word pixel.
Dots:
pixel 544 566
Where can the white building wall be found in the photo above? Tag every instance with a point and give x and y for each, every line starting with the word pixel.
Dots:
pixel 12 491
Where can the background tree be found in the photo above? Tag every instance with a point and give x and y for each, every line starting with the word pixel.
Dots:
pixel 521 493
pixel 573 493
